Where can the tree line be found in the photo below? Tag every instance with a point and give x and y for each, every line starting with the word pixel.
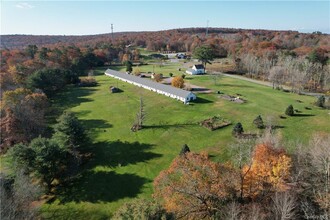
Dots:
pixel 30 77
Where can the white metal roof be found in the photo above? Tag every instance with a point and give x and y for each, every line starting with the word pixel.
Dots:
pixel 158 86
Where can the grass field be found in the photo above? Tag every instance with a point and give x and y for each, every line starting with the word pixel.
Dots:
pixel 124 163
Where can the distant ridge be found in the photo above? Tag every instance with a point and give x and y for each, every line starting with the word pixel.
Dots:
pixel 19 41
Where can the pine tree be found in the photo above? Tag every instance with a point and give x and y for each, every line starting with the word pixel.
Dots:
pixel 320 101
pixel 184 150
pixel 289 110
pixel 238 129
pixel 259 122
pixel 69 131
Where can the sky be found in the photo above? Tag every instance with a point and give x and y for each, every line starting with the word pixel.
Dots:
pixel 95 17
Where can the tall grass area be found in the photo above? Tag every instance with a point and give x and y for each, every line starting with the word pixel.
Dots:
pixel 124 163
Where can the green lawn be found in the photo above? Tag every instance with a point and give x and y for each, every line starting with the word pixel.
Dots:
pixel 125 163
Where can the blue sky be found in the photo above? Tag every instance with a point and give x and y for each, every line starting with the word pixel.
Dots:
pixel 95 17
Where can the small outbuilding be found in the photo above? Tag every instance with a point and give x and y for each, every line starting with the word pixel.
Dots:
pixel 196 69
pixel 113 89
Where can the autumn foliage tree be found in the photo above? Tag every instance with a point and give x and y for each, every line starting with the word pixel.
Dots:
pixel 23 116
pixel 268 172
pixel 177 82
pixel 194 187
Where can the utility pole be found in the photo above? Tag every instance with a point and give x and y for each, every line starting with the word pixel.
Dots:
pixel 207 28
pixel 112 31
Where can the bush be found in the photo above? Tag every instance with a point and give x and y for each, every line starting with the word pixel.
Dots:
pixel 178 82
pixel 184 150
pixel 158 77
pixel 320 101
pixel 258 122
pixel 170 74
pixel 289 110
pixel 142 209
pixel 183 76
pixel 87 82
pixel 238 129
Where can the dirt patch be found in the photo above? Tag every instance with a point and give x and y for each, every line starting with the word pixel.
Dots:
pixel 197 89
pixel 235 99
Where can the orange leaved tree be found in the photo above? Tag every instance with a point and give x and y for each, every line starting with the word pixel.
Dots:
pixel 195 187
pixel 269 171
pixel 177 82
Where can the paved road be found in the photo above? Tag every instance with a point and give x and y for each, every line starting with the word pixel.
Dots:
pixel 265 83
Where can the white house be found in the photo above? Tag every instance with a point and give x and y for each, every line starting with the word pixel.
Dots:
pixel 196 69
pixel 170 91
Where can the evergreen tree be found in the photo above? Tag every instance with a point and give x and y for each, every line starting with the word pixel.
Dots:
pixel 129 66
pixel 45 157
pixel 238 129
pixel 289 110
pixel 320 101
pixel 259 122
pixel 69 132
pixel 205 54
pixel 184 150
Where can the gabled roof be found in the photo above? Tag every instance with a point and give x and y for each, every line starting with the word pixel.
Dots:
pixel 199 66
pixel 146 82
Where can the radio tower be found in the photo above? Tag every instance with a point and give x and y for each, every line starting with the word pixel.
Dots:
pixel 112 31
pixel 207 28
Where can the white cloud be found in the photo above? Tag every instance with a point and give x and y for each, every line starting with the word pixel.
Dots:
pixel 24 5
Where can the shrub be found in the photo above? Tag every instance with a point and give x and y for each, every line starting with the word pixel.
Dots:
pixel 183 76
pixel 87 82
pixel 184 150
pixel 170 74
pixel 289 110
pixel 158 77
pixel 258 122
pixel 142 209
pixel 238 129
pixel 320 101
pixel 178 82
pixel 136 72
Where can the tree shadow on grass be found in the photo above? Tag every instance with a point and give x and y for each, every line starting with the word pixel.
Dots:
pixel 101 186
pixel 302 115
pixel 118 153
pixel 94 127
pixel 68 98
pixel 167 126
pixel 99 183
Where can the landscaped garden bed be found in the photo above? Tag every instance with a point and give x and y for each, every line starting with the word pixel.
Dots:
pixel 214 123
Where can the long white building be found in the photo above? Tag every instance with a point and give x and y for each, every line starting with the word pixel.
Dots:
pixel 170 91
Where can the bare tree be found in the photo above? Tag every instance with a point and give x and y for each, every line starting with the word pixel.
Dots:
pixel 140 117
pixel 242 155
pixel 233 211
pixel 16 197
pixel 271 137
pixel 320 155
pixel 276 76
pixel 284 206
pixel 255 213
pixel 215 78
